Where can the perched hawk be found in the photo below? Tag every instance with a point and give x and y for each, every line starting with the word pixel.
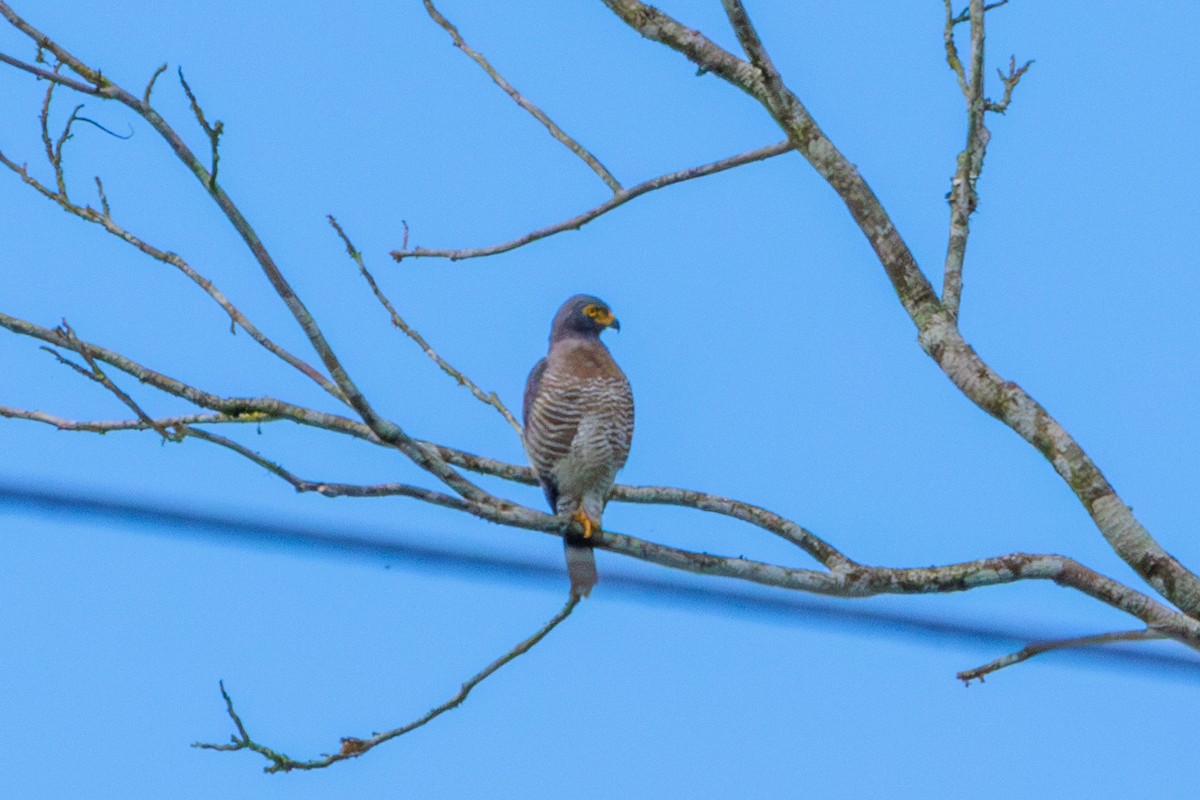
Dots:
pixel 578 427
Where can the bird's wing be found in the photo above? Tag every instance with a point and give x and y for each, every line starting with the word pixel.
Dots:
pixel 532 383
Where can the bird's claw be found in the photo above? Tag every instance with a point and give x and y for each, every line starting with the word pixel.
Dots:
pixel 589 527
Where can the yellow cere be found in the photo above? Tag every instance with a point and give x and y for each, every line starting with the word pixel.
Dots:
pixel 599 313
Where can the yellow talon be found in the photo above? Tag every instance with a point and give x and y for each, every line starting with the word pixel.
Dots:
pixel 583 519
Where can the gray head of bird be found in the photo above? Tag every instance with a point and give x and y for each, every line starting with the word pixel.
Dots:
pixel 582 316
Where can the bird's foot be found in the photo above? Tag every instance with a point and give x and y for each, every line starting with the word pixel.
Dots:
pixel 588 524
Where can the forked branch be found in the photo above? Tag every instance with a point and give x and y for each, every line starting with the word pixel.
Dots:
pixel 619 199
pixel 937 328
pixel 353 747
pixel 963 197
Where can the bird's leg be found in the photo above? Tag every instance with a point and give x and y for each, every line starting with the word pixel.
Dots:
pixel 588 524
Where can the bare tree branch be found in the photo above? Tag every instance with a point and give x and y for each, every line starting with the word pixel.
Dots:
pixel 150 84
pixel 845 578
pixel 213 132
pixel 963 198
pixel 98 375
pixel 487 398
pixel 621 197
pixel 952 57
pixel 385 429
pixel 934 318
pixel 1010 81
pixel 50 75
pixel 352 747
pixel 558 133
pixel 104 219
pixel 747 36
pixel 1037 648
pixel 329 489
pixel 108 426
pixel 938 332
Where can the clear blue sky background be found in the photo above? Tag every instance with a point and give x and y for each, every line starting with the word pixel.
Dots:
pixel 770 360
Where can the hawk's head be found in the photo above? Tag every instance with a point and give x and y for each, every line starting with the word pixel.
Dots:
pixel 582 315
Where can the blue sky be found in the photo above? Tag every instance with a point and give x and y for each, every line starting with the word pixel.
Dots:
pixel 769 359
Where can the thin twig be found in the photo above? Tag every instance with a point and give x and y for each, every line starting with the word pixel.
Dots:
pixel 952 49
pixel 329 489
pixel 524 102
pixel 772 82
pixel 487 398
pixel 622 197
pixel 965 14
pixel 52 76
pixel 1010 81
pixel 212 131
pixel 109 426
pixel 963 198
pixel 54 147
pixel 104 209
pixel 99 376
pixel 1037 648
pixel 352 747
pixel 151 82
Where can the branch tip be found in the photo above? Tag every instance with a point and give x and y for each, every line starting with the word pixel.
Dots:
pixel 490 399
pixel 351 746
pixel 558 133
pixel 150 84
pixel 578 221
pixel 1075 642
pixel 213 132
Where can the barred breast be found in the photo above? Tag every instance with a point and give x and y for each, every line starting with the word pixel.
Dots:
pixel 578 424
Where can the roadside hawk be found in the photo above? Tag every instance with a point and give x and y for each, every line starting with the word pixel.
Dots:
pixel 578 427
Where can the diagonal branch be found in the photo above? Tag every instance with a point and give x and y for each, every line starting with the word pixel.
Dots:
pixel 213 131
pixel 491 399
pixel 1037 648
pixel 747 36
pixel 327 489
pixel 558 133
pixel 619 199
pixel 52 76
pixel 104 219
pixel 352 747
pixel 95 373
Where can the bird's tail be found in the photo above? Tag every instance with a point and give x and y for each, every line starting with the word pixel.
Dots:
pixel 581 567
